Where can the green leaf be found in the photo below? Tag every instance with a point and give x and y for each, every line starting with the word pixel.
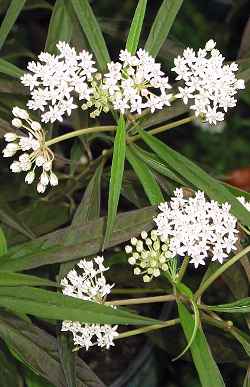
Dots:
pixel 8 68
pixel 55 306
pixel 240 306
pixel 205 365
pixel 67 358
pixel 115 183
pixel 247 378
pixel 9 375
pixel 92 31
pixel 86 240
pixel 14 279
pixel 162 24
pixel 145 176
pixel 136 27
pixel 195 175
pixel 11 15
pixel 38 350
pixel 155 163
pixel 33 380
pixel 89 207
pixel 60 26
pixel 242 338
pixel 3 243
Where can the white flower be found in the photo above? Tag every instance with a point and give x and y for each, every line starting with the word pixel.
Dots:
pixel 39 154
pixel 197 227
pixel 55 80
pixel 136 83
pixel 150 255
pixel 244 202
pixel 209 83
pixel 91 285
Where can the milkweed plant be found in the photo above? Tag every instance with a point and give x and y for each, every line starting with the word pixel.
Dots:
pixel 201 225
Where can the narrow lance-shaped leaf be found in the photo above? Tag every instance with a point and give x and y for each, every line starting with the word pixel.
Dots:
pixel 11 15
pixel 10 69
pixel 205 365
pixel 115 183
pixel 145 176
pixel 195 175
pixel 240 306
pixel 60 26
pixel 55 306
pixel 92 31
pixel 16 279
pixel 3 243
pixel 136 27
pixel 162 24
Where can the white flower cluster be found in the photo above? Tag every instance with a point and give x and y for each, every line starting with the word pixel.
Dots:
pixel 150 255
pixel 55 79
pixel 209 83
pixel 35 154
pixel 197 228
pixel 137 83
pixel 91 285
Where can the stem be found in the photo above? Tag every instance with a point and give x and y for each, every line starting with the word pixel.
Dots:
pixel 76 133
pixel 183 268
pixel 154 327
pixel 220 271
pixel 163 128
pixel 139 291
pixel 142 300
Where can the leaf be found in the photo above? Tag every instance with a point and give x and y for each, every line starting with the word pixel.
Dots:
pixel 9 217
pixel 145 176
pixel 56 306
pixel 14 279
pixel 9 375
pixel 60 26
pixel 115 183
pixel 67 358
pixel 92 31
pixel 3 243
pixel 205 365
pixel 155 162
pixel 247 378
pixel 8 68
pixel 195 330
pixel 136 27
pixel 243 339
pixel 33 380
pixel 89 207
pixel 38 350
pixel 86 240
pixel 161 26
pixel 11 15
pixel 195 175
pixel 240 306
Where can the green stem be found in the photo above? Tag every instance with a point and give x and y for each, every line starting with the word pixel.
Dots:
pixel 77 133
pixel 154 327
pixel 219 272
pixel 183 268
pixel 163 128
pixel 139 291
pixel 142 300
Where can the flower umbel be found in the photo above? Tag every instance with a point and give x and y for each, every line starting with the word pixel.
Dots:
pixel 150 255
pixel 210 84
pixel 197 227
pixel 90 285
pixel 136 83
pixel 55 80
pixel 35 154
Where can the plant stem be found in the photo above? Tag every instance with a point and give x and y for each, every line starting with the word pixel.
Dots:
pixel 220 271
pixel 139 291
pixel 142 300
pixel 154 327
pixel 76 133
pixel 162 128
pixel 183 268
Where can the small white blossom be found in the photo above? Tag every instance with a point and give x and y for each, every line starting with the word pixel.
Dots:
pixel 197 227
pixel 90 285
pixel 137 83
pixel 34 152
pixel 55 80
pixel 209 83
pixel 150 255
